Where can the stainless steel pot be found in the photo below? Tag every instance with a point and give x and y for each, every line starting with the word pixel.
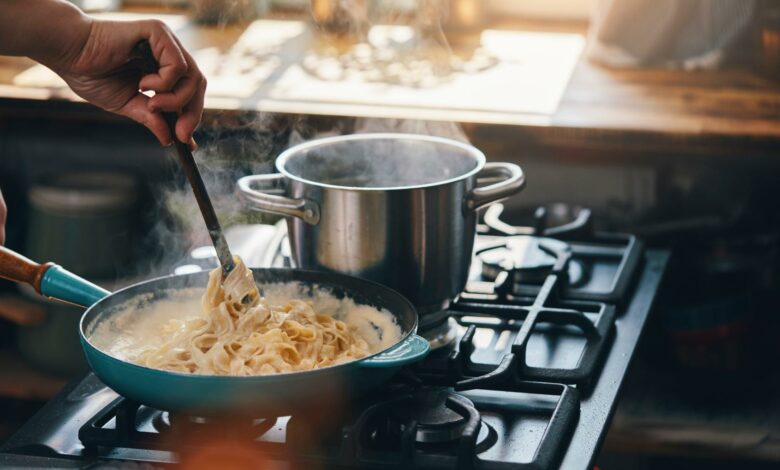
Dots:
pixel 398 209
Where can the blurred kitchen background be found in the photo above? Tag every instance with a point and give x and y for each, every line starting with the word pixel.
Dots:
pixel 662 116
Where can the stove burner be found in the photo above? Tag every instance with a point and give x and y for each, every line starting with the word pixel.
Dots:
pixel 527 259
pixel 426 418
pixel 438 419
pixel 161 421
pixel 441 335
pixel 164 421
pixel 528 382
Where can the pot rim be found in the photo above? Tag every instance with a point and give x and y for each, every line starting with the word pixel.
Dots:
pixel 292 151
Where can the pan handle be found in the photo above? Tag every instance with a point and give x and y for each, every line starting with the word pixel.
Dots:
pixel 412 349
pixel 60 284
pixel 49 279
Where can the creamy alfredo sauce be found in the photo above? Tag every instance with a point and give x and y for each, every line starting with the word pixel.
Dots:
pixel 141 323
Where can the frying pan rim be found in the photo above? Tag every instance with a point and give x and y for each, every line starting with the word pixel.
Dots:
pixel 245 378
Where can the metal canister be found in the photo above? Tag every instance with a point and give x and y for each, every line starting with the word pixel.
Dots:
pixel 83 220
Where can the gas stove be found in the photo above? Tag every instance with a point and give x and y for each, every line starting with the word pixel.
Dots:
pixel 525 372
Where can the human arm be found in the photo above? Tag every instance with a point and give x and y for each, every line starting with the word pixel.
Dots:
pixel 96 60
pixel 3 211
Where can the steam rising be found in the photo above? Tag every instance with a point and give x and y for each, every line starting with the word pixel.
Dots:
pixel 245 145
pixel 381 163
pixel 249 145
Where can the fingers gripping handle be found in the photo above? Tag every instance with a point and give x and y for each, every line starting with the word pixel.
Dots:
pixel 144 49
pixel 149 65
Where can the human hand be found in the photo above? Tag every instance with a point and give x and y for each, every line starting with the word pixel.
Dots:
pixel 3 212
pixel 105 72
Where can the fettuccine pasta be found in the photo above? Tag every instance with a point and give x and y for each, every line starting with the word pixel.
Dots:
pixel 240 333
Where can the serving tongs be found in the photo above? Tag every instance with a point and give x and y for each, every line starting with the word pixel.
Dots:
pixel 150 65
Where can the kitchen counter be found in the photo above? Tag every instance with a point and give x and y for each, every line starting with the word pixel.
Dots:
pixel 505 90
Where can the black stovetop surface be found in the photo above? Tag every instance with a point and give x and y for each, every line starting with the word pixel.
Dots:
pixel 530 382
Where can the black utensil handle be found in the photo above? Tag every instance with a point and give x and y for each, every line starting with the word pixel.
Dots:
pixel 149 65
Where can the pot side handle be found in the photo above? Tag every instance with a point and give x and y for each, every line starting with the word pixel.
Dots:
pixel 513 180
pixel 49 279
pixel 264 200
pixel 414 348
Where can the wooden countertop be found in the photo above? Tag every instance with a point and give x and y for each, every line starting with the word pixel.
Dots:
pixel 525 85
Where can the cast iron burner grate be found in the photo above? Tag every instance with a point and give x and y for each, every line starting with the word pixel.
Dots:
pixel 519 320
pixel 513 320
pixel 601 266
pixel 408 425
pixel 529 380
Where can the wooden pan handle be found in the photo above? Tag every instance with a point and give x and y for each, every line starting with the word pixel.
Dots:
pixel 17 268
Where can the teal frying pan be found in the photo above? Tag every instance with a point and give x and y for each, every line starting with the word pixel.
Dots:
pixel 207 395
